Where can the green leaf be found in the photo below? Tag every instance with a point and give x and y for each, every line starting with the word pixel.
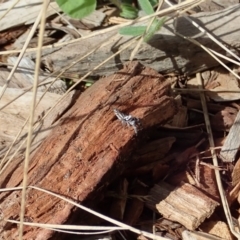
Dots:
pixel 146 6
pixel 77 8
pixel 153 2
pixel 128 11
pixel 155 26
pixel 132 30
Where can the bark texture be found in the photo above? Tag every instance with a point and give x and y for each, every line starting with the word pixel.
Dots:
pixel 184 204
pixel 88 149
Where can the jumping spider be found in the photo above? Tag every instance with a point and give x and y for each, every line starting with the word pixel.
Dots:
pixel 128 119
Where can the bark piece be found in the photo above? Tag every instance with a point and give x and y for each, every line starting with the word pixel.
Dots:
pixel 232 143
pixel 11 34
pixel 165 52
pixel 185 204
pixel 89 148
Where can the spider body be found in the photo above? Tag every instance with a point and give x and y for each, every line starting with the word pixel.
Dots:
pixel 129 120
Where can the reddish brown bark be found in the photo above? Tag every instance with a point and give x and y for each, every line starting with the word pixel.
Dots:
pixel 89 148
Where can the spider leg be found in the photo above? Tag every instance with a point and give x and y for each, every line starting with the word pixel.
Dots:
pixel 135 129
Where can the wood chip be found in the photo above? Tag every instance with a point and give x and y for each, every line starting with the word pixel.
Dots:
pixel 184 204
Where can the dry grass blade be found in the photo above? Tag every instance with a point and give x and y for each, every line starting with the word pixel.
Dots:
pixel 32 110
pixel 69 227
pixel 58 228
